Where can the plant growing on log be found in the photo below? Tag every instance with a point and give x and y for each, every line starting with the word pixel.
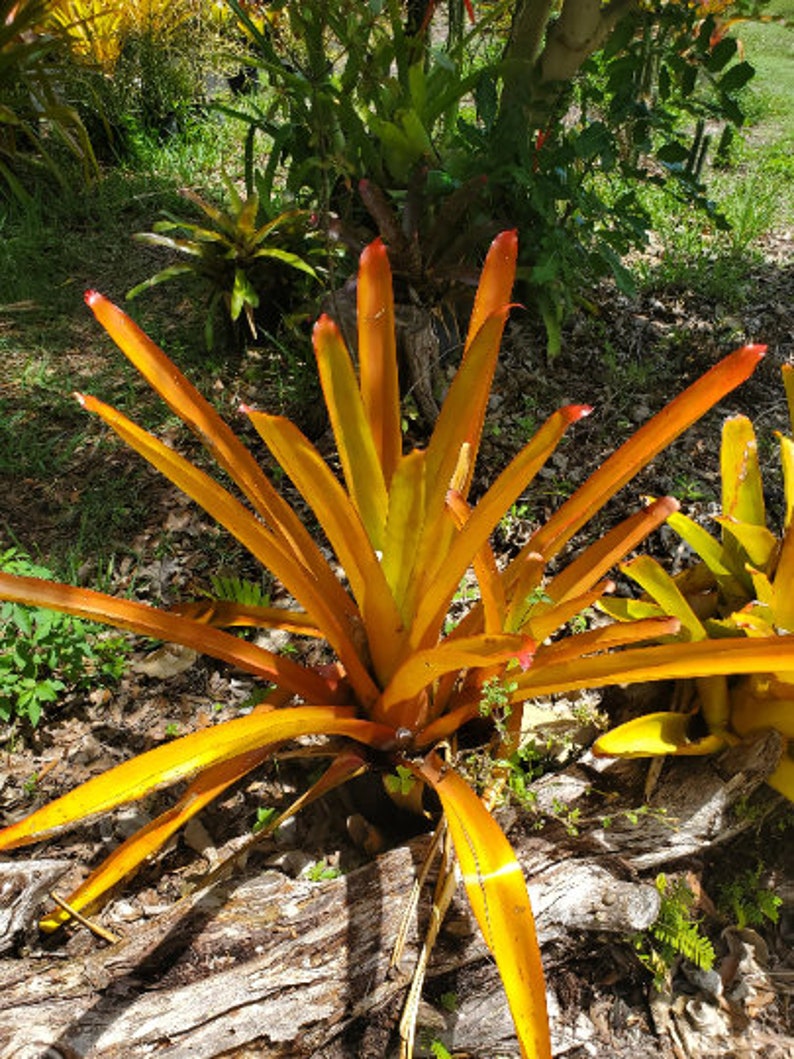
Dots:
pixel 403 531
pixel 742 587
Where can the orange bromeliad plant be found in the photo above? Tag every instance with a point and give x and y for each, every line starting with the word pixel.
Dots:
pixel 403 531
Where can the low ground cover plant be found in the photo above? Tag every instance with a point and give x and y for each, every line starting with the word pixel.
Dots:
pixel 403 680
pixel 42 652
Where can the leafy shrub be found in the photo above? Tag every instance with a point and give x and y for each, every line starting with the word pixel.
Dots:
pixel 42 652
pixel 138 69
pixel 35 119
pixel 404 682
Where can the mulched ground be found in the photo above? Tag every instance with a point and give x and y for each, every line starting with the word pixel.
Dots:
pixel 627 360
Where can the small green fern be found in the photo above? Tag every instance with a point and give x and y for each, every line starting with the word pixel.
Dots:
pixel 236 589
pixel 676 932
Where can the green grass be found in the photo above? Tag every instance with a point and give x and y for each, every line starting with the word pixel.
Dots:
pixel 769 46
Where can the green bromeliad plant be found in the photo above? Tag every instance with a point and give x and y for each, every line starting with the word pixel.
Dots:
pixel 742 587
pixel 235 253
pixel 404 682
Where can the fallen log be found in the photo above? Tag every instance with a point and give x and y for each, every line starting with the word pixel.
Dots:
pixel 270 966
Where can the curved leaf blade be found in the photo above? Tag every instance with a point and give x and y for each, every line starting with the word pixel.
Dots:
pixel 498 895
pixel 184 757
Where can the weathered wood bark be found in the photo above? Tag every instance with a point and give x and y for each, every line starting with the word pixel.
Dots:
pixel 269 966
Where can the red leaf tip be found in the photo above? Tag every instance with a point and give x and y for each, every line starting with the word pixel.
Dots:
pixel 80 398
pixel 91 296
pixel 526 655
pixel 574 412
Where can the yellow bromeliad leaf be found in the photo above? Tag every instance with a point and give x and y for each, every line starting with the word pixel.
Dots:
pixel 127 857
pixel 496 283
pixel 742 486
pixel 354 441
pixel 788 384
pixel 657 583
pixel 485 569
pixel 665 662
pixel 443 576
pixel 404 527
pixel 184 757
pixel 421 668
pixel 606 637
pixel 639 450
pixel 346 534
pixel 761 703
pixel 749 543
pixel 498 895
pixel 377 356
pixel 164 625
pixel 787 463
pixel 784 583
pixel 606 552
pixel 199 415
pixel 656 734
pixel 462 415
pixel 332 612
pixel 225 614
pixel 782 779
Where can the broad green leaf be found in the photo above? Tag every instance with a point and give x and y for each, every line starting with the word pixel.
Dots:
pixel 355 443
pixel 377 356
pixel 164 625
pixel 182 758
pixel 655 734
pixel 498 895
pixel 640 449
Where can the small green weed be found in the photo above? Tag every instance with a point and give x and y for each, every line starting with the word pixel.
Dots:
pixel 264 816
pixel 321 871
pixel 746 901
pixel 42 652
